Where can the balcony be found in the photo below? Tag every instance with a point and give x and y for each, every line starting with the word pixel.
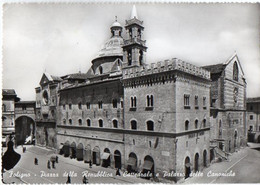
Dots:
pixel 135 41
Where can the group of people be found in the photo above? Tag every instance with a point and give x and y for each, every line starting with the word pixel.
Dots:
pixel 52 160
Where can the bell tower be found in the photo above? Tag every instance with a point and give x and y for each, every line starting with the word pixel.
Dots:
pixel 134 46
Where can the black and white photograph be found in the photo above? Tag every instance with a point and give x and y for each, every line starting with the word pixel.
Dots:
pixel 130 93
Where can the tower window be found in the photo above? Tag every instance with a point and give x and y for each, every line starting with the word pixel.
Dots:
pixel 150 125
pixel 100 70
pixel 251 117
pixel 129 57
pixel 131 33
pixel 133 125
pixel 204 102
pixel 235 71
pixel 139 33
pixel 100 122
pixel 133 102
pixel 140 57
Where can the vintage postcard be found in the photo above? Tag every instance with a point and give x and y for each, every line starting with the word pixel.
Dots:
pixel 128 93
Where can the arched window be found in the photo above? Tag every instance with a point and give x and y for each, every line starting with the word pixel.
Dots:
pixel 88 122
pixel 80 121
pixel 80 106
pixel 204 123
pixel 186 125
pixel 70 121
pixel 64 121
pixel 129 57
pixel 115 123
pixel 133 125
pixel 100 122
pixel 196 124
pixel 149 125
pixel 100 70
pixel 235 71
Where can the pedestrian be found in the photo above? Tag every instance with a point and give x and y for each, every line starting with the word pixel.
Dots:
pixel 85 180
pixel 53 164
pixel 35 161
pixel 49 164
pixel 90 164
pixel 118 172
pixel 68 180
pixel 24 149
pixel 57 158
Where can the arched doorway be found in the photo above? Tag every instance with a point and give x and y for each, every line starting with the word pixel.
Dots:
pixel 148 167
pixel 24 130
pixel 66 149
pixel 79 152
pixel 96 156
pixel 106 158
pixel 87 154
pixel 117 158
pixel 212 155
pixel 205 158
pixel 196 162
pixel 73 150
pixel 132 162
pixel 235 140
pixel 187 166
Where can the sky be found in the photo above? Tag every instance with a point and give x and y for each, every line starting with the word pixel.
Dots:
pixel 63 38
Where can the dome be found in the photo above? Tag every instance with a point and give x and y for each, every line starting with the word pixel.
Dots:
pixel 116 24
pixel 113 47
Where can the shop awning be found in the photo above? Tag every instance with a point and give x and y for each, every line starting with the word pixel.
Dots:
pixel 60 147
pixel 188 165
pixel 105 155
pixel 148 165
pixel 131 161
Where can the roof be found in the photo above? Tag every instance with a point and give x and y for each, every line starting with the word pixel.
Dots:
pixel 253 100
pixel 56 78
pixel 116 24
pixel 8 92
pixel 216 68
pixel 78 76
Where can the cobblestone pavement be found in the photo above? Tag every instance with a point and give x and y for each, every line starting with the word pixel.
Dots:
pixel 243 166
pixel 41 174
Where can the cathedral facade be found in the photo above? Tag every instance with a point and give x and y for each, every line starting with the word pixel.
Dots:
pixel 124 113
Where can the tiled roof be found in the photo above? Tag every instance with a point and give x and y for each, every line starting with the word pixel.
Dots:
pixel 8 92
pixel 217 68
pixel 56 78
pixel 253 100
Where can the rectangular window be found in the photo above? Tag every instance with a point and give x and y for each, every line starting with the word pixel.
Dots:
pixel 114 103
pixel 133 103
pixel 196 102
pixel 186 101
pixel 70 106
pixel 204 103
pixel 100 106
pixel 251 117
pixel 88 105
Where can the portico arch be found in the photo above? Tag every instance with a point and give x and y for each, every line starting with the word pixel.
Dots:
pixel 24 130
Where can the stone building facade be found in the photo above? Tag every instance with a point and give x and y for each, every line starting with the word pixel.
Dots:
pixel 9 97
pixel 253 119
pixel 228 105
pixel 126 114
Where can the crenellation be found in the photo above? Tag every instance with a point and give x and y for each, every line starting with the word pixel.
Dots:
pixel 166 65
